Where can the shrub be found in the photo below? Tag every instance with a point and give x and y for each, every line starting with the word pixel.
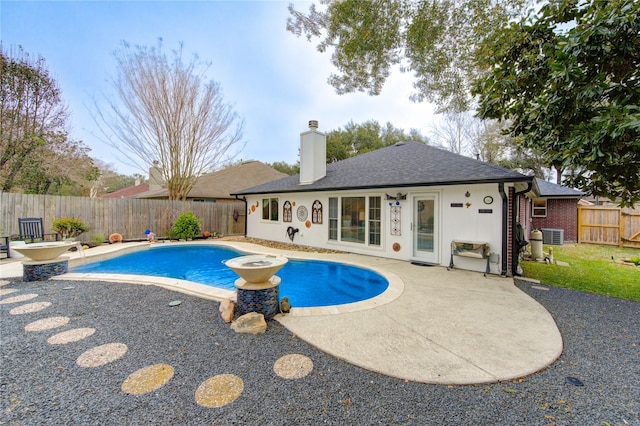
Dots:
pixel 69 227
pixel 97 239
pixel 186 226
pixel 635 260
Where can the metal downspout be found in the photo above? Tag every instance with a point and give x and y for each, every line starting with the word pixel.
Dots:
pixel 505 228
pixel 514 216
pixel 246 206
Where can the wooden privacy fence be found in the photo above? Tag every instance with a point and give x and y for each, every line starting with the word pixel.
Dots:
pixel 609 225
pixel 127 216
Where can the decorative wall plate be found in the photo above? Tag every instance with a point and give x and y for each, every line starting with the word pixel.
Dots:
pixel 302 213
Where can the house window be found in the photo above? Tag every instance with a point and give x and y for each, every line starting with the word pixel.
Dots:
pixel 316 212
pixel 374 220
pixel 287 214
pixel 540 207
pixel 270 209
pixel 353 219
pixel 333 219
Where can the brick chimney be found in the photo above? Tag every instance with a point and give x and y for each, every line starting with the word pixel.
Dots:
pixel 313 154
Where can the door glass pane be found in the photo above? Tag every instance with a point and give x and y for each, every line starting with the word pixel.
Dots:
pixel 424 228
pixel 353 219
pixel 333 218
pixel 374 220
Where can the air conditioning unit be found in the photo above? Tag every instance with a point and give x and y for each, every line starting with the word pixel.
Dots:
pixel 553 236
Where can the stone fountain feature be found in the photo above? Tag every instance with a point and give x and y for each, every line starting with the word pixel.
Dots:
pixel 257 289
pixel 44 260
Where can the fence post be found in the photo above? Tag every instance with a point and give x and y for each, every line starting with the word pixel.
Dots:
pixel 620 228
pixel 579 224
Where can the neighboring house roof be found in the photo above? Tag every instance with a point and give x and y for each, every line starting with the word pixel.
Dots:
pixel 222 183
pixel 401 165
pixel 127 192
pixel 552 190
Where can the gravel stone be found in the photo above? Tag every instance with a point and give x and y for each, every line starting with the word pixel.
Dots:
pixel 41 383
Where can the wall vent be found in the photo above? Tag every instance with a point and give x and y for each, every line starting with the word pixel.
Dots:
pixel 553 236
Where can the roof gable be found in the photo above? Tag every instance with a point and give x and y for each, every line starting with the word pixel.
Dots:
pixel 400 165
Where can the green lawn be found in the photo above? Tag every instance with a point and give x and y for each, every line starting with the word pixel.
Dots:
pixel 591 269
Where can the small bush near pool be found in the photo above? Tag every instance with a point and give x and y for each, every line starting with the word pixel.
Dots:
pixel 186 227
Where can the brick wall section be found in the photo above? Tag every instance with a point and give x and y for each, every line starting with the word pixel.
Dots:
pixel 510 230
pixel 562 213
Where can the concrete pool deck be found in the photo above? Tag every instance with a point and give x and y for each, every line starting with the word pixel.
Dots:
pixel 432 326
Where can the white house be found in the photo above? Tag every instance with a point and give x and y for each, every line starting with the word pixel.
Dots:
pixel 408 201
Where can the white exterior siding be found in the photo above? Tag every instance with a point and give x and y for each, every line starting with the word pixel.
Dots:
pixel 455 223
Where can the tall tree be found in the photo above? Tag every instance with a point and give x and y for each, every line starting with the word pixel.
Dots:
pixel 170 113
pixel 436 40
pixel 357 139
pixel 62 167
pixel 31 112
pixel 109 180
pixel 284 167
pixel 457 132
pixel 569 79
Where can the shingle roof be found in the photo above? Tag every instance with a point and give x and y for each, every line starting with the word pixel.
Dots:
pixel 401 165
pixel 548 189
pixel 222 183
pixel 127 192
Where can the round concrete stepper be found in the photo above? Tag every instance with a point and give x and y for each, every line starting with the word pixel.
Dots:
pixel 219 390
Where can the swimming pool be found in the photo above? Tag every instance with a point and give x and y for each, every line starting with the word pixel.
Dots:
pixel 307 283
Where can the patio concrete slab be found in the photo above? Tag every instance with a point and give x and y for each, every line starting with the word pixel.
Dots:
pixel 447 327
pixel 432 325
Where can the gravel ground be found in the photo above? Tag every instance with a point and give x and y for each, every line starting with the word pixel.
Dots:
pixel 42 384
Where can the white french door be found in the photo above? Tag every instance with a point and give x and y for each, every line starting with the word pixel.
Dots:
pixel 425 228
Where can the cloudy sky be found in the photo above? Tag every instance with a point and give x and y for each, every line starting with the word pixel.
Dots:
pixel 275 81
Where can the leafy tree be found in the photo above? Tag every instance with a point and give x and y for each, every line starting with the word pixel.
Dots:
pixel 569 79
pixel 357 139
pixel 283 167
pixel 168 112
pixel 436 40
pixel 36 154
pixel 110 180
pixel 31 111
pixel 62 167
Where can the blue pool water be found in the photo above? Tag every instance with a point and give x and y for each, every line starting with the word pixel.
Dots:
pixel 306 283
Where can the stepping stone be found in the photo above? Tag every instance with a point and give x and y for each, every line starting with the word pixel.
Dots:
pixel 219 391
pixel 147 379
pixel 101 355
pixel 46 324
pixel 29 308
pixel 70 336
pixel 293 366
pixel 16 299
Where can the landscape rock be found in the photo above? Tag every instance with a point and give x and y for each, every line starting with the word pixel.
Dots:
pixel 251 323
pixel 227 309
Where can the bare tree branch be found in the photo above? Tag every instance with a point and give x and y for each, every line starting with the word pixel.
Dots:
pixel 168 112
